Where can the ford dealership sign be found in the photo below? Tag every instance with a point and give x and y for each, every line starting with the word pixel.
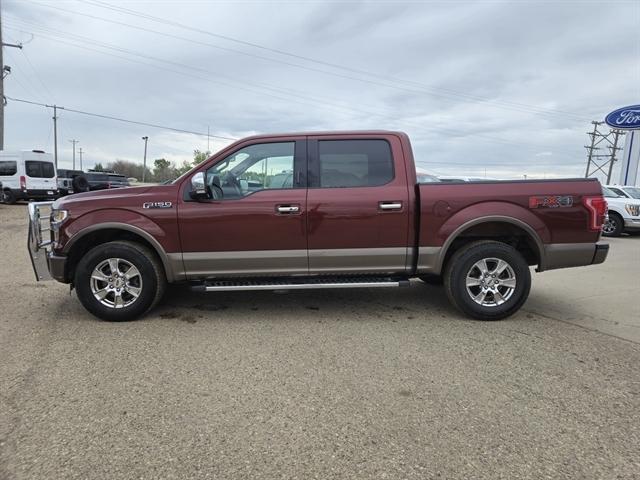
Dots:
pixel 625 118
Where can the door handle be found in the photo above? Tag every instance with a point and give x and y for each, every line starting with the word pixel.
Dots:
pixel 390 205
pixel 288 208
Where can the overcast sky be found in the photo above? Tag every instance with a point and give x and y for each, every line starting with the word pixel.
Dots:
pixel 504 87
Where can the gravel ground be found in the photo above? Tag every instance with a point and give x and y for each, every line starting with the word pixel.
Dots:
pixel 320 384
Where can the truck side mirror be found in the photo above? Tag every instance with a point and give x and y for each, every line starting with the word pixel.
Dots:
pixel 198 189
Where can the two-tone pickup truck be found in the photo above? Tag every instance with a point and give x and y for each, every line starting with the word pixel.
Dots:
pixel 316 210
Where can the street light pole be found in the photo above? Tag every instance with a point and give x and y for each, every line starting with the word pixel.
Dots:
pixel 144 161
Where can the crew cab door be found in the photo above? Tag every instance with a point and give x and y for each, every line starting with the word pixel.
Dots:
pixel 358 205
pixel 254 222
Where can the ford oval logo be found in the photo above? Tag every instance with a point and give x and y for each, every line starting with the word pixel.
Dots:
pixel 625 118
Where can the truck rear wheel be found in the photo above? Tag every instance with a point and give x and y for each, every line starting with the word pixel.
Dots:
pixel 119 281
pixel 487 280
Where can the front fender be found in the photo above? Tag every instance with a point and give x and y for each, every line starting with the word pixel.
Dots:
pixel 126 220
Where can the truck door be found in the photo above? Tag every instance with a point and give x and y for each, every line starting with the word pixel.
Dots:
pixel 358 212
pixel 254 222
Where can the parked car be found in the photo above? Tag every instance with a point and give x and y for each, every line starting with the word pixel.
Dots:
pixel 117 181
pixel 27 175
pixel 354 216
pixel 625 191
pixel 623 214
pixel 70 181
pixel 105 180
pixel 464 178
pixel 426 177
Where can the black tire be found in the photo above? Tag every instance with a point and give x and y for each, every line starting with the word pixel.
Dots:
pixel 8 197
pixel 151 273
pixel 431 279
pixel 613 226
pixel 80 184
pixel 463 263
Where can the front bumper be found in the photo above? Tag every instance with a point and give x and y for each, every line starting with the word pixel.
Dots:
pixel 39 248
pixel 632 224
pixel 566 255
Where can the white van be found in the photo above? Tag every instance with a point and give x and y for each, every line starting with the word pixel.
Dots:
pixel 27 175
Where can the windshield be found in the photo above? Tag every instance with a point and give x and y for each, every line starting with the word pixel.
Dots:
pixel 633 191
pixel 610 193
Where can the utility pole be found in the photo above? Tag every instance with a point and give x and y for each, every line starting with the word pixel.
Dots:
pixel 74 152
pixel 80 159
pixel 3 69
pixel 598 162
pixel 55 135
pixel 144 161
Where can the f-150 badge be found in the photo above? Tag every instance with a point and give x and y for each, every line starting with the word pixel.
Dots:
pixel 157 205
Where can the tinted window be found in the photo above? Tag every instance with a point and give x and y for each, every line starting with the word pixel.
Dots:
pixel 96 177
pixel 8 168
pixel 354 163
pixel 48 170
pixel 36 169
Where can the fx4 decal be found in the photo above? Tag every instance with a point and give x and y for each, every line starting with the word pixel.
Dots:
pixel 551 201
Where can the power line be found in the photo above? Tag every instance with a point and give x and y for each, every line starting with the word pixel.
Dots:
pixel 212 78
pixel 440 92
pixel 118 119
pixel 450 92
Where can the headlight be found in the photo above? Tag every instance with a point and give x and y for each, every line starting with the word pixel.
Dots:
pixel 634 210
pixel 58 216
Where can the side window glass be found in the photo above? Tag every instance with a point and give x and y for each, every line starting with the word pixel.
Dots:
pixel 47 170
pixel 8 168
pixel 256 167
pixel 355 163
pixel 33 169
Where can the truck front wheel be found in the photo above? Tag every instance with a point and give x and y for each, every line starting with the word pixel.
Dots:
pixel 119 281
pixel 487 280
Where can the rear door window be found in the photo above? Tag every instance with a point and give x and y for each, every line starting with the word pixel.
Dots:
pixel 37 169
pixel 354 163
pixel 8 168
pixel 47 170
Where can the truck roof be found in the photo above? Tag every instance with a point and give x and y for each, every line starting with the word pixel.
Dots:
pixel 324 133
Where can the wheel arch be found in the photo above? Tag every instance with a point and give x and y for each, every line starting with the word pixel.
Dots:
pixel 504 228
pixel 94 235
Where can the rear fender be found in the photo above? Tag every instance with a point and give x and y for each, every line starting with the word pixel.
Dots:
pixel 432 258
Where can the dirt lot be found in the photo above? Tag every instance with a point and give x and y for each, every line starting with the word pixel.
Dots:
pixel 321 384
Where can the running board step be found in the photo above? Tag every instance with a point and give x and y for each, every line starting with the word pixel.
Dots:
pixel 299 283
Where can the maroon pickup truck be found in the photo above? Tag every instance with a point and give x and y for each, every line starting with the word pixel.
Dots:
pixel 316 210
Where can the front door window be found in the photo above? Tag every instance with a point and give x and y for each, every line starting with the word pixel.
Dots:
pixel 265 166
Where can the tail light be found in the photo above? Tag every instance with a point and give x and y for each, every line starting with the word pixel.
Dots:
pixel 597 207
pixel 23 183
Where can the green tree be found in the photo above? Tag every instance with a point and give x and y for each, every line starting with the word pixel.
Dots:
pixel 199 156
pixel 163 170
pixel 185 167
pixel 98 167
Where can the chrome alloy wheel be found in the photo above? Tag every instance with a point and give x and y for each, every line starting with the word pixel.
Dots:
pixel 491 282
pixel 116 283
pixel 609 225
